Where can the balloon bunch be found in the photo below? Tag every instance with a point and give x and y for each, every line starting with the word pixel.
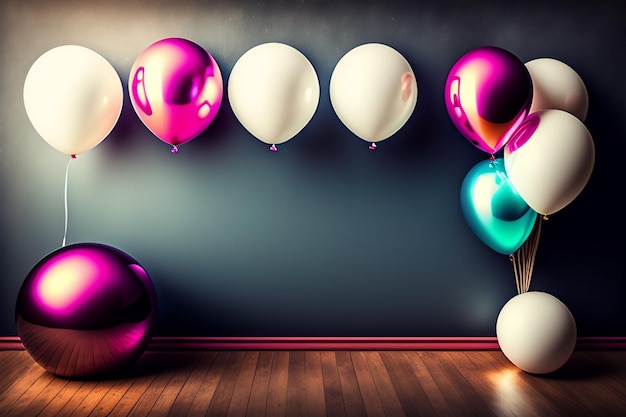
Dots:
pixel 534 113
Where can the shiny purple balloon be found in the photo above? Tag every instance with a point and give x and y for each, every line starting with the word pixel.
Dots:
pixel 176 89
pixel 86 310
pixel 488 94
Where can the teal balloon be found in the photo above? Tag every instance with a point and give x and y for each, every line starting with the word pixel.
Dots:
pixel 493 209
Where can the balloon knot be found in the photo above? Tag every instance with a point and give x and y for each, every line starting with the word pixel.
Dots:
pixel 492 158
pixel 73 156
pixel 372 146
pixel 545 217
pixel 174 149
pixel 273 148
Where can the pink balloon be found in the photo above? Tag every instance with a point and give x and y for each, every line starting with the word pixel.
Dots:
pixel 176 89
pixel 488 94
pixel 86 310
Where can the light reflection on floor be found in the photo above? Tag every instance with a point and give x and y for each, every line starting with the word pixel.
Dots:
pixel 511 397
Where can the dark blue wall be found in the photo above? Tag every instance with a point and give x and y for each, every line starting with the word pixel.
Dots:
pixel 324 237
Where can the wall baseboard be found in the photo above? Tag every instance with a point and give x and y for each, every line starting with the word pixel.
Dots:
pixel 160 343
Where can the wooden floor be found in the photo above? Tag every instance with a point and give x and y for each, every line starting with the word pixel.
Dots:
pixel 321 383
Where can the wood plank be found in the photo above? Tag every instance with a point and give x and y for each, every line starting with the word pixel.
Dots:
pixel 472 402
pixel 353 398
pixel 243 386
pixel 371 398
pixel 33 376
pixel 137 386
pixel 44 393
pixel 277 396
pixel 191 387
pixel 109 400
pixel 77 398
pixel 182 367
pixel 257 403
pixel 151 394
pixel 89 402
pixel 226 385
pixel 436 402
pixel 452 390
pixel 13 367
pixel 384 386
pixel 26 401
pixel 206 391
pixel 407 385
pixel 55 406
pixel 314 384
pixel 296 387
pixel 333 394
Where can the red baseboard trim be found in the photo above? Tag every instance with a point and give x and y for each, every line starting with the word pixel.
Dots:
pixel 160 343
pixel 11 343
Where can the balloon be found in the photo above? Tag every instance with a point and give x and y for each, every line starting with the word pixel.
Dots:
pixel 557 86
pixel 493 209
pixel 73 98
pixel 373 90
pixel 488 94
pixel 274 91
pixel 86 310
pixel 176 89
pixel 549 160
pixel 536 332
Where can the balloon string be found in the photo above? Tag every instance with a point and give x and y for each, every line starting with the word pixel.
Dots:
pixel 67 171
pixel 524 258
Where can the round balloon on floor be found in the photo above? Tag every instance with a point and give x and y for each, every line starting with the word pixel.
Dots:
pixel 86 310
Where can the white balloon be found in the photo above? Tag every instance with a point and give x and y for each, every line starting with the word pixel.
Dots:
pixel 274 91
pixel 73 98
pixel 557 86
pixel 373 90
pixel 550 159
pixel 536 332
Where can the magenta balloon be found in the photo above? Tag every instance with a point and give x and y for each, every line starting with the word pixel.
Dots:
pixel 176 89
pixel 86 310
pixel 488 94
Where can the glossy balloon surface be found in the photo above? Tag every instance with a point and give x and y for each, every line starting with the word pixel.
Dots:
pixel 86 310
pixel 493 209
pixel 176 89
pixel 373 90
pixel 73 97
pixel 488 94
